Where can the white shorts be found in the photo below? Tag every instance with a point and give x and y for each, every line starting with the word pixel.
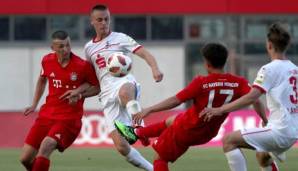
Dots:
pixel 267 140
pixel 112 108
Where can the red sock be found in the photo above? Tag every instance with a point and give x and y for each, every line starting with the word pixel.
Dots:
pixel 274 166
pixel 41 164
pixel 153 130
pixel 160 165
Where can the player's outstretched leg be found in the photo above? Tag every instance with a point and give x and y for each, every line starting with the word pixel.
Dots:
pixel 132 134
pixel 128 96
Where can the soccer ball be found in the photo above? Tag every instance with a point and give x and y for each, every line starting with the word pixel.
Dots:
pixel 119 64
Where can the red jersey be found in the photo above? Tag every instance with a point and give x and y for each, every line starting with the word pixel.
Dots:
pixel 213 90
pixel 62 79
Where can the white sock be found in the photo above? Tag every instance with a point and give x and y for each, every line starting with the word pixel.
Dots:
pixel 271 167
pixel 236 160
pixel 135 158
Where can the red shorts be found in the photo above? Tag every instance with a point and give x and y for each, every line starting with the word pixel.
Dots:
pixel 63 131
pixel 175 140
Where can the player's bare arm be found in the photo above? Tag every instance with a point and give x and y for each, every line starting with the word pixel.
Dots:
pixel 39 89
pixel 143 53
pixel 261 111
pixel 83 91
pixel 164 105
pixel 248 99
pixel 85 88
pixel 91 91
pixel 75 92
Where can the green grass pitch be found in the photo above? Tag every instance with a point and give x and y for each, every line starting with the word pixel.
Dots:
pixel 107 159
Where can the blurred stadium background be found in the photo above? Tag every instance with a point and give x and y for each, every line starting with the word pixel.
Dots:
pixel 173 31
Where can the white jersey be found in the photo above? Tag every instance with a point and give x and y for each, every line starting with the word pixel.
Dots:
pixel 279 79
pixel 98 52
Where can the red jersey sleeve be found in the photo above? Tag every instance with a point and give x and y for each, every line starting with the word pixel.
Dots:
pixel 190 91
pixel 90 74
pixel 245 87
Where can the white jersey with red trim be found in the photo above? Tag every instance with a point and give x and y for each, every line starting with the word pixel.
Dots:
pixel 98 52
pixel 279 79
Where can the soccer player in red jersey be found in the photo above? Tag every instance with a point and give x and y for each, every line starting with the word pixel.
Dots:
pixel 278 80
pixel 59 120
pixel 178 133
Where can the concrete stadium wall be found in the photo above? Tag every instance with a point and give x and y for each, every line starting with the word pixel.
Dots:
pixel 20 66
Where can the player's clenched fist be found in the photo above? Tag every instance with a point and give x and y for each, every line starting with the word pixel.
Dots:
pixel 29 110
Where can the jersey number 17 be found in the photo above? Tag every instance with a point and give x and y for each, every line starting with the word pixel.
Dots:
pixel 228 92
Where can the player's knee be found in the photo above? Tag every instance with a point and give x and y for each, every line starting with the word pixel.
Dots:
pixel 227 142
pixel 264 159
pixel 47 146
pixel 126 93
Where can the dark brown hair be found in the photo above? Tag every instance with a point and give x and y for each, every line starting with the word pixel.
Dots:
pixel 99 7
pixel 216 54
pixel 279 37
pixel 59 34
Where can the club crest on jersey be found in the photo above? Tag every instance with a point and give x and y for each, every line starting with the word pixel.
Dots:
pixel 73 76
pixel 109 44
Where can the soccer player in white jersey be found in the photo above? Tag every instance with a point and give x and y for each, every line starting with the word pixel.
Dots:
pixel 119 95
pixel 278 80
